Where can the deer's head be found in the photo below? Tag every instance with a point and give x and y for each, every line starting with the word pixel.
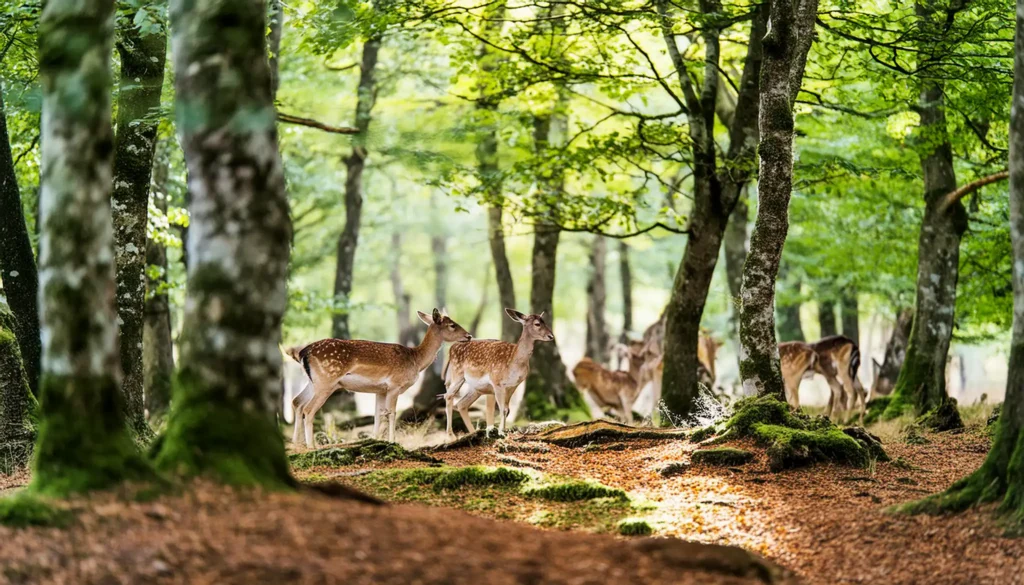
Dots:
pixel 534 326
pixel 450 331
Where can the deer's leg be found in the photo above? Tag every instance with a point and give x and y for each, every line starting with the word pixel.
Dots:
pixel 309 410
pixel 463 407
pixel 500 398
pixel 627 407
pixel 392 404
pixel 835 401
pixel 489 411
pixel 298 401
pixel 791 385
pixel 451 391
pixel 379 408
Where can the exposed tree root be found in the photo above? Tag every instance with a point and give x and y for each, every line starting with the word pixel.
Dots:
pixel 602 431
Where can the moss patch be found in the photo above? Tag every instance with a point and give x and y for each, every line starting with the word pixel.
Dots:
pixel 574 491
pixel 870 442
pixel 702 434
pixel 634 527
pixel 875 408
pixel 602 431
pixel 459 477
pixel 24 509
pixel 944 417
pixel 722 457
pixel 360 452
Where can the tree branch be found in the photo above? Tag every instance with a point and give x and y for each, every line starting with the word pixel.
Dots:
pixel 300 121
pixel 954 196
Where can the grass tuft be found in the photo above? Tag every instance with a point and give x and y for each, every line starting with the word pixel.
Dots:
pixel 575 491
pixel 634 527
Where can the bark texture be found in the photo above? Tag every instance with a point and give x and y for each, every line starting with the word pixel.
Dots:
pixel 17 405
pixel 17 262
pixel 83 441
pixel 142 77
pixel 789 38
pixel 850 312
pixel 1001 476
pixel 921 385
pixel 626 281
pixel 736 253
pixel 355 164
pixel 157 341
pixel 275 15
pixel 597 329
pixel 715 193
pixel 229 379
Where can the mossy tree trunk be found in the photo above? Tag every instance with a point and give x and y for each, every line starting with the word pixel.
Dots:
pixel 221 421
pixel 715 194
pixel 17 405
pixel 355 164
pixel 1001 477
pixel 789 38
pixel 597 330
pixel 17 262
pixel 83 442
pixel 626 281
pixel 142 77
pixel 157 341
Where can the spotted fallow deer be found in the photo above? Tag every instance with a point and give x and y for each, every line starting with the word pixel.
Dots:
pixel 384 369
pixel 837 359
pixel 492 368
pixel 615 390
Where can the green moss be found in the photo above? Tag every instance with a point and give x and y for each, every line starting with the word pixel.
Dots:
pixel 26 509
pixel 722 457
pixel 875 409
pixel 83 442
pixel 211 435
pixel 763 410
pixel 944 417
pixel 702 434
pixel 479 476
pixel 789 448
pixel 360 452
pixel 574 491
pixel 634 527
pixel 870 442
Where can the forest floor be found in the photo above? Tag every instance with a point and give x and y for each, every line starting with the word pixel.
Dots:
pixel 824 524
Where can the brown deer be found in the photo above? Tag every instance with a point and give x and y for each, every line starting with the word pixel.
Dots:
pixel 384 369
pixel 616 390
pixel 649 354
pixel 837 358
pixel 492 368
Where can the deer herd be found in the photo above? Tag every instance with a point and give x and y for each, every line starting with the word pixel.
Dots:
pixel 495 369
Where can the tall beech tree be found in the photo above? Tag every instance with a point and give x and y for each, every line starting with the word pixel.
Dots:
pixel 626 281
pixel 355 165
pixel 716 189
pixel 597 330
pixel 1001 477
pixel 142 52
pixel 83 441
pixel 789 39
pixel 221 420
pixel 17 405
pixel 17 262
pixel 157 340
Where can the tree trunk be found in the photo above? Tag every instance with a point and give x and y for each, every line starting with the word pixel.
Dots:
pixel 790 33
pixel 921 385
pixel 275 14
pixel 888 371
pixel 850 314
pixel 157 342
pixel 17 263
pixel 17 406
pixel 626 278
pixel 83 443
pixel 221 423
pixel 827 318
pixel 355 164
pixel 597 330
pixel 1001 476
pixel 787 312
pixel 736 254
pixel 487 165
pixel 142 78
pixel 715 195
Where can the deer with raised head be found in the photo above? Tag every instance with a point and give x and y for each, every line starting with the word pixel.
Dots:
pixel 837 359
pixel 384 369
pixel 613 389
pixel 491 368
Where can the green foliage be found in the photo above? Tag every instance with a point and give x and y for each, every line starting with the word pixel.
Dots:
pixel 25 509
pixel 722 456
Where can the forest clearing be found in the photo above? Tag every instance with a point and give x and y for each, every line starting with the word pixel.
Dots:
pixel 511 291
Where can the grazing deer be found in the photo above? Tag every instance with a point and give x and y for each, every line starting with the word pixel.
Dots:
pixel 616 390
pixel 492 368
pixel 837 358
pixel 384 369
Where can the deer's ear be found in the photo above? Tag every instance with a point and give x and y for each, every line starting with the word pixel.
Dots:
pixel 425 317
pixel 515 315
pixel 437 316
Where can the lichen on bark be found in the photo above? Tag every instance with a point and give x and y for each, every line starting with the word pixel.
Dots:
pixel 17 405
pixel 238 245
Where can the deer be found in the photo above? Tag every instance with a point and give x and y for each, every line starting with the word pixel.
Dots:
pixel 649 353
pixel 837 359
pixel 384 369
pixel 492 368
pixel 616 390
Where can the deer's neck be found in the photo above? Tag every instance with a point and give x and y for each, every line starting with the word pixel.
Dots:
pixel 524 349
pixel 426 352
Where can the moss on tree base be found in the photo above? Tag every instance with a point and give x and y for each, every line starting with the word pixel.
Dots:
pixel 229 441
pixel 722 457
pixel 25 509
pixel 360 452
pixel 794 440
pixel 944 417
